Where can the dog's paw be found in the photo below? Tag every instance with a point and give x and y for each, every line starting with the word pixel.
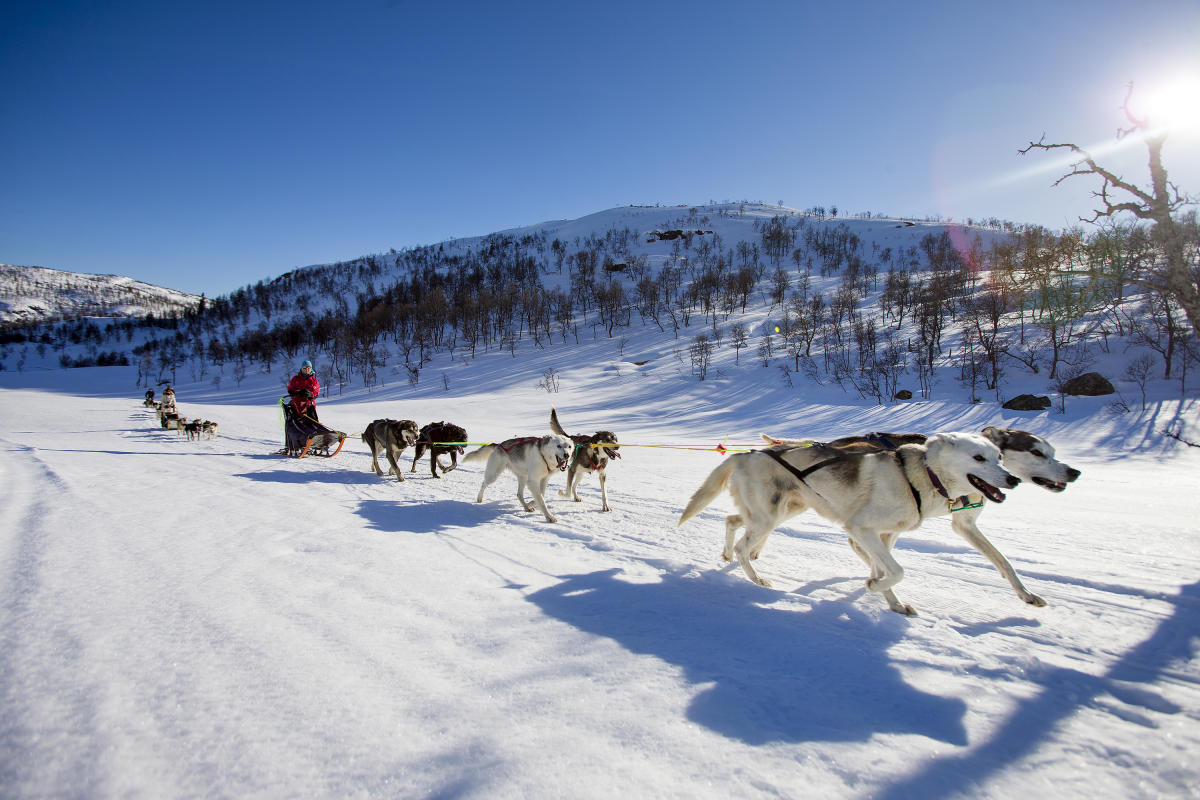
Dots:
pixel 1034 600
pixel 905 609
pixel 766 584
pixel 551 519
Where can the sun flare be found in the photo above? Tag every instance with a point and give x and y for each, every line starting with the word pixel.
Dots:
pixel 1173 105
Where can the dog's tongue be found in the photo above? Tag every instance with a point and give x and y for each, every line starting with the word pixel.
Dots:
pixel 562 463
pixel 989 491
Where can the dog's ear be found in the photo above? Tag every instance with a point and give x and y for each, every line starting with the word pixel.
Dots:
pixel 995 435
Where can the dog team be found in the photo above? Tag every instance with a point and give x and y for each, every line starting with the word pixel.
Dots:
pixel 875 486
pixel 532 459
pixel 169 418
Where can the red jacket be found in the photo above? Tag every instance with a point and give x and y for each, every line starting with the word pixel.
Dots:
pixel 298 384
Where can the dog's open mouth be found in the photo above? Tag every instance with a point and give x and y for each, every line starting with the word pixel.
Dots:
pixel 986 489
pixel 611 453
pixel 562 462
pixel 1054 486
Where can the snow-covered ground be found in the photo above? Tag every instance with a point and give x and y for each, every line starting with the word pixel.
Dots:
pixel 206 619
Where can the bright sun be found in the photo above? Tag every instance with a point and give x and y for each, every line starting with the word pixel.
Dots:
pixel 1173 105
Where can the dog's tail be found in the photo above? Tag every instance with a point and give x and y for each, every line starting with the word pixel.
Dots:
pixel 793 442
pixel 554 426
pixel 713 485
pixel 479 455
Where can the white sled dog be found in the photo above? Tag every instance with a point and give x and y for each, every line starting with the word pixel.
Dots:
pixel 873 496
pixel 531 459
pixel 1026 455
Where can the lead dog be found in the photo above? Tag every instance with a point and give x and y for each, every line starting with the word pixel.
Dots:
pixel 591 455
pixel 1026 455
pixel 390 437
pixel 438 438
pixel 873 496
pixel 533 460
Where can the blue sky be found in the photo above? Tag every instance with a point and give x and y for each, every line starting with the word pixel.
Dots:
pixel 207 145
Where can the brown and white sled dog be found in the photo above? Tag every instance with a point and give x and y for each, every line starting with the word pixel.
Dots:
pixel 873 496
pixel 592 454
pixel 390 437
pixel 1026 455
pixel 533 460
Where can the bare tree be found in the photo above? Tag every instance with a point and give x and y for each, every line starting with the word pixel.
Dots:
pixel 700 350
pixel 739 338
pixel 1157 204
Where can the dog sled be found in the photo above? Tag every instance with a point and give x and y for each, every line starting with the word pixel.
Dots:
pixel 305 436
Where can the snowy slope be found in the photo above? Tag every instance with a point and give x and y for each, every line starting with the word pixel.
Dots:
pixel 37 294
pixel 187 619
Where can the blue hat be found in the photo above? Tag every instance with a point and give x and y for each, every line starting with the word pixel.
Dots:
pixel 306 363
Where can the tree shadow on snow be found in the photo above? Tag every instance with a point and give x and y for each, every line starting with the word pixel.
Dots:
pixel 771 675
pixel 1063 693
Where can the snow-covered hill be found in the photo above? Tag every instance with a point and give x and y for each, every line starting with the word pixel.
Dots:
pixel 30 295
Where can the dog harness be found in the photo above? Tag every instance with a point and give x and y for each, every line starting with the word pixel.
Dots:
pixel 891 447
pixel 801 474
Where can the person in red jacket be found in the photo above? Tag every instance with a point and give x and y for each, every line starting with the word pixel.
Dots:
pixel 304 389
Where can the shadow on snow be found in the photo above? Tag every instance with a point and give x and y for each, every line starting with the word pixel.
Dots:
pixel 776 676
pixel 1063 693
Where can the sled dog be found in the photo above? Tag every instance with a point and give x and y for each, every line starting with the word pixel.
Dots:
pixel 390 437
pixel 193 429
pixel 1026 455
pixel 438 438
pixel 210 429
pixel 592 454
pixel 533 460
pixel 873 496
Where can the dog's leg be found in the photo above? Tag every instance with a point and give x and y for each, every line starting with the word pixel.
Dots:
pixel 537 488
pixel 732 523
pixel 395 468
pixel 603 490
pixel 521 480
pixel 453 461
pixel 495 466
pixel 375 458
pixel 886 572
pixel 420 449
pixel 893 602
pixel 965 527
pixel 752 541
pixel 574 477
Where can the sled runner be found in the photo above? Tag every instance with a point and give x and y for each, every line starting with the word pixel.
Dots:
pixel 304 435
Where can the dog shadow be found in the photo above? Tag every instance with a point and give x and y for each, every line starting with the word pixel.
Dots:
pixel 1063 692
pixel 344 477
pixel 769 675
pixel 427 516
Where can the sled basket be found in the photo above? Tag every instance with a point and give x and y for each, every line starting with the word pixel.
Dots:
pixel 305 436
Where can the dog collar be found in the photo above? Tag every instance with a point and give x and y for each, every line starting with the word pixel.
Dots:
pixel 964 502
pixel 937 484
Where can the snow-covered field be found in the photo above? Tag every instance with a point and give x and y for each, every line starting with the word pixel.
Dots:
pixel 206 619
